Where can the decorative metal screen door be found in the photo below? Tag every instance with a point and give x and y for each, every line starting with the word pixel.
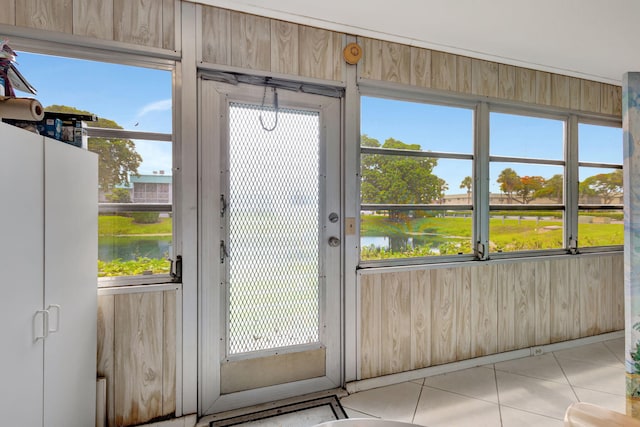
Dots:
pixel 279 245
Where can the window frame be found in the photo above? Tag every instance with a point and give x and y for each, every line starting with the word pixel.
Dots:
pixel 481 160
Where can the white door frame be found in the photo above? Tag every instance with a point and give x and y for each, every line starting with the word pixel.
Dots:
pixel 213 131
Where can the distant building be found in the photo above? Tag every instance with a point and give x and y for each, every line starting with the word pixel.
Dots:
pixel 147 188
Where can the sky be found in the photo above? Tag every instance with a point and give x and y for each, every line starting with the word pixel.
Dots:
pixel 135 98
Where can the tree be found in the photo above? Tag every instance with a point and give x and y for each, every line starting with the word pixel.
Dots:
pixel 529 186
pixel 119 195
pixel 467 183
pixel 398 179
pixel 509 182
pixel 605 185
pixel 552 188
pixel 118 158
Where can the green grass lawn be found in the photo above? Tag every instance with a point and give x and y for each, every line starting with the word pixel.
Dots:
pixel 115 225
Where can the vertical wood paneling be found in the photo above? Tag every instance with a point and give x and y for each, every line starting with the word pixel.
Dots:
pixel 463 313
pixel 370 308
pixel 464 74
pixel 396 62
pixel 105 357
pixel 617 274
pixel 485 77
pixel 169 354
pixel 484 311
pixel 506 81
pixel 575 93
pixel 506 307
pixel 93 18
pixel 524 277
pixel 605 303
pixel 560 91
pixel 607 98
pixel 543 88
pixel 443 70
pixel 574 268
pixel 369 66
pixel 559 312
pixel 589 296
pixel 138 357
pixel 316 53
pixel 420 319
pixel 250 41
pixel 617 101
pixel 590 96
pixel 8 12
pixel 284 47
pixel 443 316
pixel 339 65
pixel 542 315
pixel 138 22
pixel 420 67
pixel 395 342
pixel 168 24
pixel 216 35
pixel 52 15
pixel 525 85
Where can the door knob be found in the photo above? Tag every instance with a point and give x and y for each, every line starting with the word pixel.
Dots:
pixel 334 241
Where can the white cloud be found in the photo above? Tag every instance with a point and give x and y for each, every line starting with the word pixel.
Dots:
pixel 162 105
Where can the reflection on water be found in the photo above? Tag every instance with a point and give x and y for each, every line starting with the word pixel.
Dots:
pixel 131 248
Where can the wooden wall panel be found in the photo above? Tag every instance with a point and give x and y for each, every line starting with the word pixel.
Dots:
pixel 543 88
pixel 138 22
pixel 105 356
pixel 484 310
pixel 420 318
pixel 168 24
pixel 485 78
pixel 395 317
pixel 169 346
pixel 607 98
pixel 617 101
pixel 464 74
pixel 542 315
pixel 560 91
pixel 525 85
pixel 369 66
pixel 617 274
pixel 396 63
pixel 506 307
pixel 370 302
pixel 444 72
pixel 317 53
pixel 138 357
pixel 589 297
pixel 284 47
pixel 420 67
pixel 8 12
pixel 506 81
pixel 524 276
pixel 216 35
pixel 575 93
pixel 93 18
pixel 250 41
pixel 590 93
pixel 443 317
pixel 574 267
pixel 605 306
pixel 52 15
pixel 463 313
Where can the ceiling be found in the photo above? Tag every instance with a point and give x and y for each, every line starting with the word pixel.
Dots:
pixel 593 39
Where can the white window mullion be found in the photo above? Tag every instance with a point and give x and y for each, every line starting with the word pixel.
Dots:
pixel 481 181
pixel 571 182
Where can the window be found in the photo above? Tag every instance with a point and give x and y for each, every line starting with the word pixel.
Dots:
pixel 600 205
pixel 416 179
pixel 526 183
pixel 133 138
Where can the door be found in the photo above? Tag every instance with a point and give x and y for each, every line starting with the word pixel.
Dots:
pixel 21 259
pixel 271 227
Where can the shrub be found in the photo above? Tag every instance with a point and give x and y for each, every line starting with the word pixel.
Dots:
pixel 145 217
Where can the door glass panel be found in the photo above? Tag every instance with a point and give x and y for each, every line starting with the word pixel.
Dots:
pixel 274 228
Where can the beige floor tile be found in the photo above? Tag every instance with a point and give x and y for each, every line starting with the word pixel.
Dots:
pixel 478 383
pixel 439 408
pixel 516 418
pixel 617 348
pixel 596 353
pixel 615 402
pixel 542 397
pixel 395 402
pixel 544 367
pixel 351 413
pixel 604 378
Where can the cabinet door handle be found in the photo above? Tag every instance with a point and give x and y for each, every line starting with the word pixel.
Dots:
pixel 50 309
pixel 45 325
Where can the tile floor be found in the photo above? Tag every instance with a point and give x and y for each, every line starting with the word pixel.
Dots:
pixel 532 391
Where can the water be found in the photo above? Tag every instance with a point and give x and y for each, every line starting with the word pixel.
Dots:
pixel 133 247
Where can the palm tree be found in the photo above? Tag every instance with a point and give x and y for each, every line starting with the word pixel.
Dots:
pixel 509 182
pixel 467 183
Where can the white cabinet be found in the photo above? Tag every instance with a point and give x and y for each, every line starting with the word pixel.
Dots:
pixel 48 304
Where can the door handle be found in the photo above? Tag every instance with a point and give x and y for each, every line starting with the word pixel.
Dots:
pixel 334 242
pixel 57 321
pixel 45 325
